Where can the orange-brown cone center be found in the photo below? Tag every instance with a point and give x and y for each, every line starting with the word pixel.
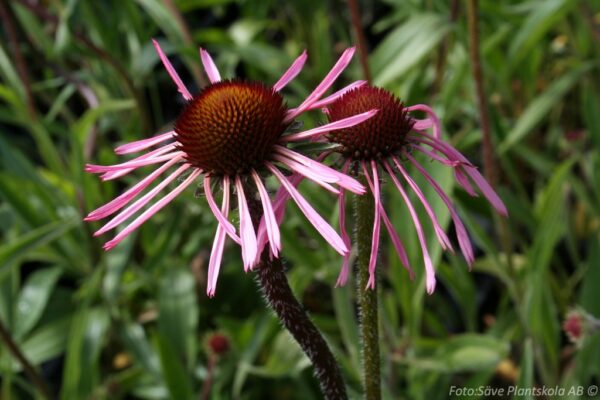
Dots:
pixel 380 135
pixel 231 126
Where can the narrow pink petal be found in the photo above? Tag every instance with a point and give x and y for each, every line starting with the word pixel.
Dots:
pixel 141 202
pixel 151 211
pixel 463 181
pixel 437 130
pixel 345 271
pixel 144 143
pixel 302 169
pixel 120 201
pixel 227 226
pixel 180 86
pixel 432 155
pixel 374 186
pixel 332 126
pixel 479 180
pixel 422 124
pixel 461 232
pixel 216 254
pixel 487 190
pixel 439 232
pixel 214 264
pixel 400 250
pixel 429 270
pixel 292 72
pixel 209 66
pixel 151 154
pixel 313 216
pixel 270 220
pixel 333 97
pixel 249 244
pixel 337 69
pixel 96 169
pixel 326 172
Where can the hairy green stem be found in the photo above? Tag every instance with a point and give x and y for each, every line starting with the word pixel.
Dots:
pixel 364 208
pixel 274 285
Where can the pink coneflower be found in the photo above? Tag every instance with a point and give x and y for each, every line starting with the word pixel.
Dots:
pixel 385 143
pixel 233 133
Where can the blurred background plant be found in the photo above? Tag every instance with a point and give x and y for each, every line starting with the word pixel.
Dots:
pixel 78 77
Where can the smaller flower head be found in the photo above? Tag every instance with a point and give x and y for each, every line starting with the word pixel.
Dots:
pixel 234 134
pixel 386 143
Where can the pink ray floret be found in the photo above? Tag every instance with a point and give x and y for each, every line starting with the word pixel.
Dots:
pixel 178 163
pixel 395 147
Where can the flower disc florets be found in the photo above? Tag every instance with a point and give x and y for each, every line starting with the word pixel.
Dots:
pixel 231 126
pixel 379 136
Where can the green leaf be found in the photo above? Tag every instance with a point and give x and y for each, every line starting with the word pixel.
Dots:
pixel 544 16
pixel 406 46
pixel 33 298
pixel 539 108
pixel 178 313
pixel 19 247
pixel 177 379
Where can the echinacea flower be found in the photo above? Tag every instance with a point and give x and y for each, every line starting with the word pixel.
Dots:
pixel 385 143
pixel 233 133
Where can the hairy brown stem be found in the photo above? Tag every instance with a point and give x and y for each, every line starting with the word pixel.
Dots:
pixel 363 52
pixel 274 285
pixel 29 369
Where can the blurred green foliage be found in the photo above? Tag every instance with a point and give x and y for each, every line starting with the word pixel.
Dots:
pixel 79 77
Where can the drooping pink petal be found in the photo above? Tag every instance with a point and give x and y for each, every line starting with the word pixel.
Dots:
pixel 337 69
pixel 437 130
pixel 209 66
pixel 141 202
pixel 214 264
pixel 400 250
pixel 216 254
pixel 227 226
pixel 432 155
pixel 461 232
pixel 313 216
pixel 439 232
pixel 322 170
pixel 249 244
pixel 96 169
pixel 270 220
pixel 345 271
pixel 292 72
pixel 487 190
pixel 374 186
pixel 332 126
pixel 143 144
pixel 180 86
pixel 479 180
pixel 333 97
pixel 151 211
pixel 429 270
pixel 463 181
pixel 120 201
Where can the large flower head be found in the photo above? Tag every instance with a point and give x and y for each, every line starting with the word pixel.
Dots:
pixel 232 134
pixel 386 143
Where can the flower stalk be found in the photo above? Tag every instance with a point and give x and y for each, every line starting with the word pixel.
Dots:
pixel 274 285
pixel 364 207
